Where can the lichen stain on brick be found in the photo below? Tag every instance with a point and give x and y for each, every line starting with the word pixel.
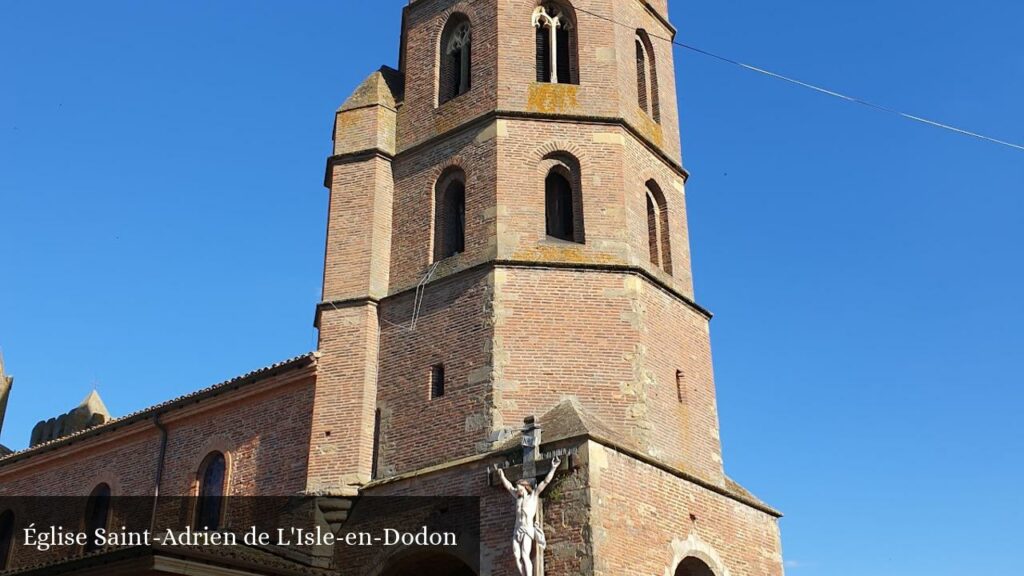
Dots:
pixel 553 98
pixel 651 129
pixel 574 253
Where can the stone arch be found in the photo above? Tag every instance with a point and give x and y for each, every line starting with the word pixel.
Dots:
pixel 555 147
pixel 110 478
pixel 220 444
pixel 687 553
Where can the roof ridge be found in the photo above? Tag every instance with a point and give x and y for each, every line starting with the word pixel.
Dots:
pixel 156 408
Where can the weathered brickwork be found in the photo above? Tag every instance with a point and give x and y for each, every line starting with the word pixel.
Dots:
pixel 647 520
pixel 596 337
pixel 262 429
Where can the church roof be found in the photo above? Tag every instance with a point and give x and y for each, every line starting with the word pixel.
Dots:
pixel 242 559
pixel 179 402
pixel 570 419
pixel 385 87
pixel 566 420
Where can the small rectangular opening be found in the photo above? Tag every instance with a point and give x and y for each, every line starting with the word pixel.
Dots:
pixel 375 464
pixel 437 381
pixel 680 387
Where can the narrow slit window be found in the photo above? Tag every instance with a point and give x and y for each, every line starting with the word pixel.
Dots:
pixel 375 465
pixel 437 381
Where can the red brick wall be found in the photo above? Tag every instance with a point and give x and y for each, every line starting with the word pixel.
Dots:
pixel 642 524
pixel 341 442
pixel 454 328
pixel 606 53
pixel 421 117
pixel 359 230
pixel 614 341
pixel 263 429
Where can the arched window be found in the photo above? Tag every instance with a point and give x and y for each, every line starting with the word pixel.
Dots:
pixel 450 215
pixel 6 538
pixel 456 58
pixel 556 43
pixel 209 501
pixel 563 206
pixel 647 76
pixel 97 515
pixel 657 228
pixel 693 567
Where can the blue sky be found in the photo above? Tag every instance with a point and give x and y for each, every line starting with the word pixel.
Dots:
pixel 163 213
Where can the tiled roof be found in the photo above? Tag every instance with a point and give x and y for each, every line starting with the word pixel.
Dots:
pixel 191 398
pixel 238 557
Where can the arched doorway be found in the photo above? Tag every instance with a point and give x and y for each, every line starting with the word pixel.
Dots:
pixel 693 567
pixel 428 563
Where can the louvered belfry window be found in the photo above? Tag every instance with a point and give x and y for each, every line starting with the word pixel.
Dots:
pixel 543 55
pixel 556 44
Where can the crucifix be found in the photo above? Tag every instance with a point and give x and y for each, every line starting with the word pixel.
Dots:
pixel 528 540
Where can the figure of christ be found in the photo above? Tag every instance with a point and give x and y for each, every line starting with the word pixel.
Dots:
pixel 527 530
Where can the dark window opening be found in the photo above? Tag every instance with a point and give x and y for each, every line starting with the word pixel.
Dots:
pixel 659 240
pixel 680 386
pixel 559 207
pixel 450 221
pixel 375 465
pixel 437 381
pixel 653 236
pixel 641 76
pixel 564 56
pixel 693 567
pixel 543 55
pixel 555 44
pixel 209 504
pixel 97 515
pixel 6 538
pixel 456 60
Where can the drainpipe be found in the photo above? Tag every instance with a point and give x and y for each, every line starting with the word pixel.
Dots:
pixel 159 468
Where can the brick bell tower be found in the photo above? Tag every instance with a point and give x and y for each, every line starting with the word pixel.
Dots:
pixel 507 237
